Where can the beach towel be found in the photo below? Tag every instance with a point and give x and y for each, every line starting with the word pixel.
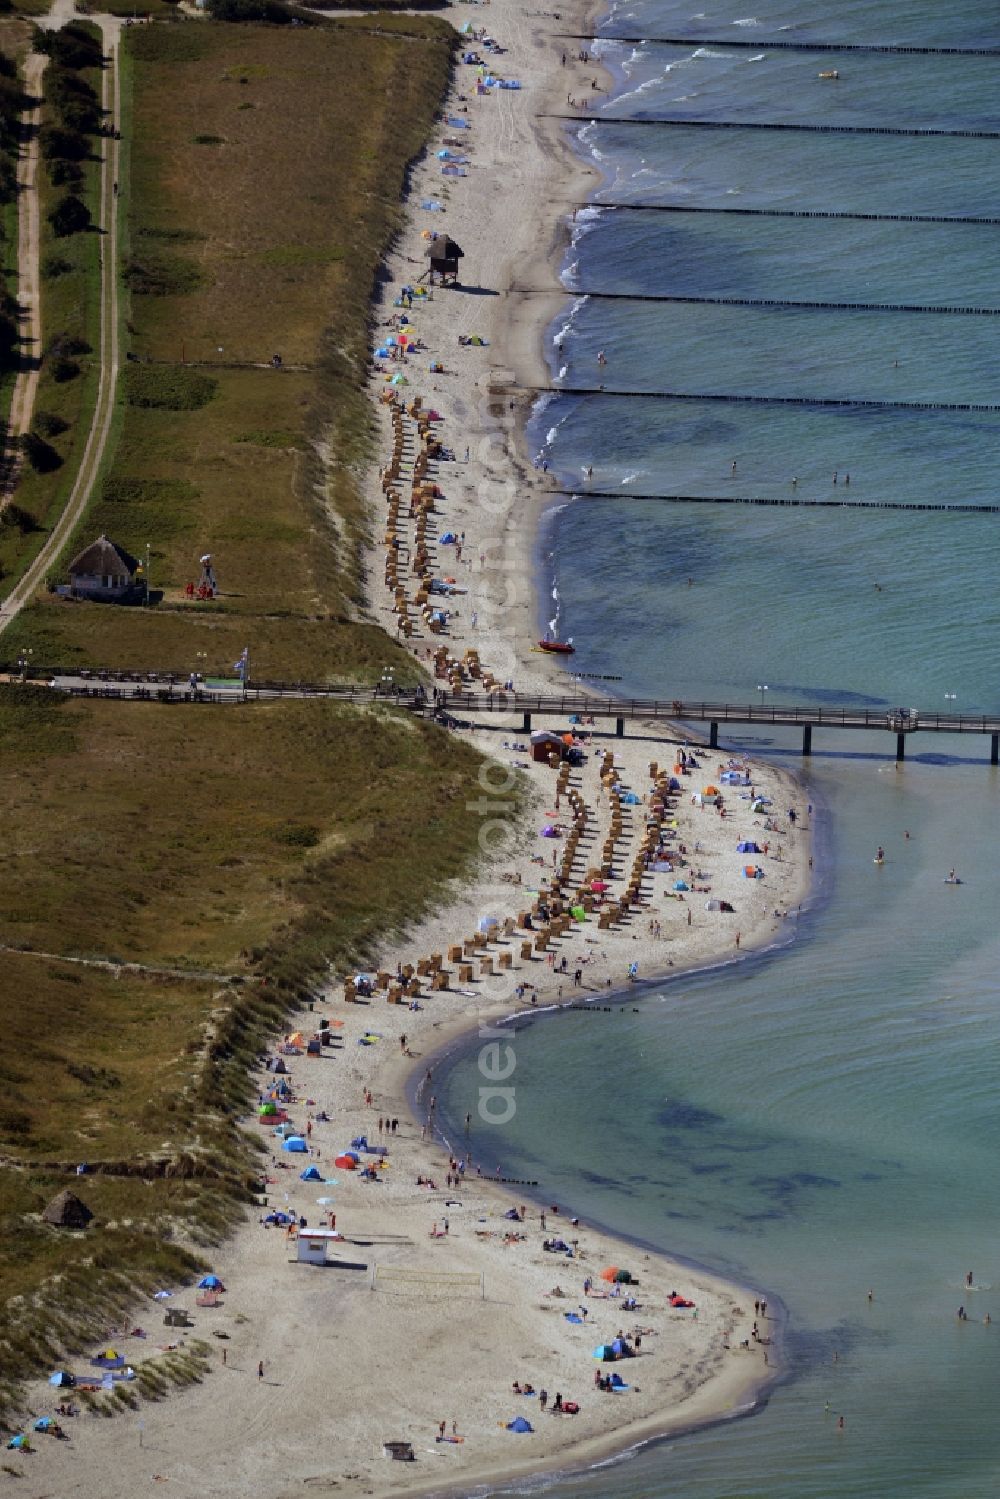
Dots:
pixel 572 1317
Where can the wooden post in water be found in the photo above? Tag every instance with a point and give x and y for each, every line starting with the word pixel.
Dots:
pixel 900 748
pixel 713 735
pixel 995 749
pixel 807 739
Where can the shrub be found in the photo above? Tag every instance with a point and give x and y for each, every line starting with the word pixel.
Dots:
pixel 298 835
pixel 157 274
pixel 16 518
pixel 50 425
pixel 67 343
pixel 65 173
pixel 70 216
pixel 40 454
pixel 62 369
pixel 54 266
pixel 168 387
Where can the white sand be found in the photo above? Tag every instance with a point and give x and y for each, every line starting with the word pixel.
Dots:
pixel 347 1367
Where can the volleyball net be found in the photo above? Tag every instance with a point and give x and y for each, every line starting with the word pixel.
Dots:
pixel 402 1279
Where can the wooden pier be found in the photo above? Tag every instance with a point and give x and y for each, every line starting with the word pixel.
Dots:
pixel 166 687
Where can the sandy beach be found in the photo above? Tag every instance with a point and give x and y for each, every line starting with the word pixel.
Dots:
pixel 441 1294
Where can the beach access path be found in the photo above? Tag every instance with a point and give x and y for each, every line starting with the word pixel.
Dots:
pixel 347 1367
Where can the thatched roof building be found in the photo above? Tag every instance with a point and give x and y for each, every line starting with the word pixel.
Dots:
pixel 67 1211
pixel 103 571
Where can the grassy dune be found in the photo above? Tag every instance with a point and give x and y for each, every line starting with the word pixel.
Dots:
pixel 264 179
pixel 236 854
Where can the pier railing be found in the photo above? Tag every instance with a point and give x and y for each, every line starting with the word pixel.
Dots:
pixel 581 706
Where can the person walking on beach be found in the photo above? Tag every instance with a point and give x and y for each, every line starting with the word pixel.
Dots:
pixel 260 1370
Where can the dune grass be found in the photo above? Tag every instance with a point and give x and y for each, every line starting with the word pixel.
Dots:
pixel 181 839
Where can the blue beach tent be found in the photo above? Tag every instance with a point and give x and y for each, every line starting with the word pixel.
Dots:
pixel 62 1379
pixel 310 1175
pixel 519 1424
pixel 295 1143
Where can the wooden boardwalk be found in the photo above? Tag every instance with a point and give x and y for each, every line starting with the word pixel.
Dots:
pixel 553 707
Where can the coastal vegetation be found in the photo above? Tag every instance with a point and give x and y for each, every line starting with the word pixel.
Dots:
pixel 68 183
pixel 175 876
pixel 164 838
pixel 263 244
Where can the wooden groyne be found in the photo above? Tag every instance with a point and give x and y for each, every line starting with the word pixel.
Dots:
pixel 730 44
pixel 786 502
pixel 807 126
pixel 802 213
pixel 790 303
pixel 746 399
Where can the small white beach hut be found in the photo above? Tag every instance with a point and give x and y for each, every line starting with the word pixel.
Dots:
pixel 312 1244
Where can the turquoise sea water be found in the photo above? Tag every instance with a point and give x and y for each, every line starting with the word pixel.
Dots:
pixel 820 1120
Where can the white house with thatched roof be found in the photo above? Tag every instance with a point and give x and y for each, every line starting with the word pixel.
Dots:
pixel 103 571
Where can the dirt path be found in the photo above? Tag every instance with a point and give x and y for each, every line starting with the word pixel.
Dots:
pixel 93 452
pixel 22 405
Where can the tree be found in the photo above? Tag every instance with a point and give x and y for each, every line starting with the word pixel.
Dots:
pixel 70 216
pixel 40 454
pixel 75 46
pixel 273 12
pixel 62 145
pixel 65 173
pixel 63 369
pixel 10 341
pixel 49 424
